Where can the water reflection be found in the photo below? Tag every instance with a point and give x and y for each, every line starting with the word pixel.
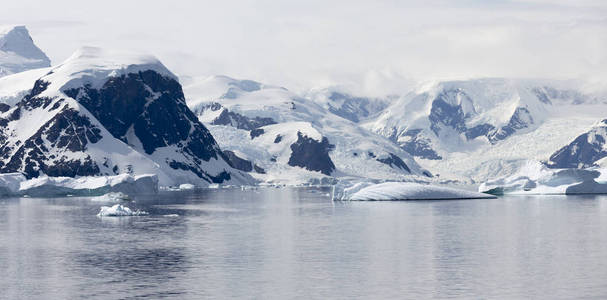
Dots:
pixel 285 243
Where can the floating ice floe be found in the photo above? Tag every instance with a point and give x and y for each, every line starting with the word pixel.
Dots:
pixel 15 184
pixel 387 191
pixel 534 178
pixel 111 197
pixel 97 185
pixel 186 186
pixel 119 210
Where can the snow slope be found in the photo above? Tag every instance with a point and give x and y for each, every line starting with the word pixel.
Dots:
pixel 18 52
pixel 584 151
pixel 477 129
pixel 294 139
pixel 348 106
pixel 15 86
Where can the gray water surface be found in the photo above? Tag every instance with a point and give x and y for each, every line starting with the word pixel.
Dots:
pixel 297 243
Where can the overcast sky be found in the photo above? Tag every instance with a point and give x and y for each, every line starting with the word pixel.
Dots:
pixel 377 46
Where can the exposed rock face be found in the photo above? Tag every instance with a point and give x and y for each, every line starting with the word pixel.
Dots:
pixel 395 161
pixel 44 151
pixel 153 107
pixel 445 113
pixel 256 132
pixel 148 110
pixel 521 119
pixel 584 151
pixel 240 163
pixel 312 155
pixel 479 130
pixel 241 122
pixel 415 144
pixel 18 52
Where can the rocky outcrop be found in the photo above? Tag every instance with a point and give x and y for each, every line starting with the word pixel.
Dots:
pixel 312 155
pixel 240 163
pixel 239 121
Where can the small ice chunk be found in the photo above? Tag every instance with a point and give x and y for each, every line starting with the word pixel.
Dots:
pixel 119 210
pixel 186 186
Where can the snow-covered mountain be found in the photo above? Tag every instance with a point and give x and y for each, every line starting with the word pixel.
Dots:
pixel 586 150
pixel 348 106
pixel 292 138
pixel 18 52
pixel 103 113
pixel 477 129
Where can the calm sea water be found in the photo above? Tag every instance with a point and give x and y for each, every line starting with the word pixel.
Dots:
pixel 297 243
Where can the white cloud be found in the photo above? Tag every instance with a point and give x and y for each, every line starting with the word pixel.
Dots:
pixel 375 46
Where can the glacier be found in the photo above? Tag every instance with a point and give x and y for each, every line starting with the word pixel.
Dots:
pixel 535 178
pixel 473 130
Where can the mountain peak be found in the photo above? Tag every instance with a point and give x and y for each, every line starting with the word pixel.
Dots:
pixel 112 58
pixel 95 66
pixel 18 52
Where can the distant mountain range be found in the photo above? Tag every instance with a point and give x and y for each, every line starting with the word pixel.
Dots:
pixel 18 52
pixel 104 112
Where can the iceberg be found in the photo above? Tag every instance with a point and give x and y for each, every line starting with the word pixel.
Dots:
pixel 186 186
pixel 534 178
pixel 90 186
pixel 111 197
pixel 119 210
pixel 15 184
pixel 10 183
pixel 391 191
